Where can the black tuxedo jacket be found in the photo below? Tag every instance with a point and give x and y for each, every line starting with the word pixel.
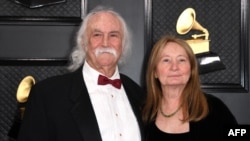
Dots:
pixel 59 109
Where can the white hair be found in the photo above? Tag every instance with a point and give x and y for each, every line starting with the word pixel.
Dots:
pixel 78 54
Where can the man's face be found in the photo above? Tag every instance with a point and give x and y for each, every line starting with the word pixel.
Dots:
pixel 105 40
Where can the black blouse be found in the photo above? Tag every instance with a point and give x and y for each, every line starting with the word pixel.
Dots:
pixel 211 128
pixel 157 135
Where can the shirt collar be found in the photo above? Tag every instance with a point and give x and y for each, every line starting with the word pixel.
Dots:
pixel 90 72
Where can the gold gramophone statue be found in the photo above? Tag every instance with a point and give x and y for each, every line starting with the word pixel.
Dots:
pixel 23 91
pixel 22 95
pixel 208 61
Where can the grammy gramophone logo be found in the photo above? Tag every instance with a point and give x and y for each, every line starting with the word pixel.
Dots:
pixel 208 61
pixel 22 95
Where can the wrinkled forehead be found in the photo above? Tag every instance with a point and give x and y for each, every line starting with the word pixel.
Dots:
pixel 105 20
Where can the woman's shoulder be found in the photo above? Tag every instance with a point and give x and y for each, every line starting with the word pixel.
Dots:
pixel 212 99
pixel 219 109
pixel 215 103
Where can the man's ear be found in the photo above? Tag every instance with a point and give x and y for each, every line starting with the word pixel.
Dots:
pixel 84 46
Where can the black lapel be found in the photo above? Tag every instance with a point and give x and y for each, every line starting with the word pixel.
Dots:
pixel 82 111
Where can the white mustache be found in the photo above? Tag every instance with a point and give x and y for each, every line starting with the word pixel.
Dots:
pixel 105 50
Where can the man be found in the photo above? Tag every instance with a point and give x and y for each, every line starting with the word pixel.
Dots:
pixel 79 107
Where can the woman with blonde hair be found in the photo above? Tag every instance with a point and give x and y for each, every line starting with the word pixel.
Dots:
pixel 176 107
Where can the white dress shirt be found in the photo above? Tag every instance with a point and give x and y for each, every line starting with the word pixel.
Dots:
pixel 113 111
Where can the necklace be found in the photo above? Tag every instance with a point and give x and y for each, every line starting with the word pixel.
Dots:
pixel 170 115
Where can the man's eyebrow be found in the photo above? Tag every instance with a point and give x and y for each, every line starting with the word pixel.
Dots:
pixel 118 32
pixel 114 31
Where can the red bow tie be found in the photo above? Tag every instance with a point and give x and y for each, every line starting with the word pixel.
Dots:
pixel 103 80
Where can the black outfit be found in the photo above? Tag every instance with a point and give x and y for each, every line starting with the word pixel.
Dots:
pixel 59 109
pixel 211 128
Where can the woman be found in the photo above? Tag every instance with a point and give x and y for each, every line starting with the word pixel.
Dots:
pixel 176 108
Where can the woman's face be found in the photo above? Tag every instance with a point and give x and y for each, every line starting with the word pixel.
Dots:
pixel 173 68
